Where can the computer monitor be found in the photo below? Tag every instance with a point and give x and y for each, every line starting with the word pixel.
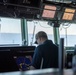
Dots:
pixel 23 56
pixel 68 14
pixel 23 62
pixel 49 12
pixel 16 58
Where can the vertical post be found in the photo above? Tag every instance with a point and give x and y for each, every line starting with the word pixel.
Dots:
pixel 61 54
pixel 56 35
pixel 24 31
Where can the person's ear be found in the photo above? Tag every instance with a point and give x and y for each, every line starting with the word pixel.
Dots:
pixel 40 38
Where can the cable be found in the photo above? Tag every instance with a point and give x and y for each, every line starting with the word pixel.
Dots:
pixel 65 26
pixel 15 14
pixel 43 26
pixel 33 34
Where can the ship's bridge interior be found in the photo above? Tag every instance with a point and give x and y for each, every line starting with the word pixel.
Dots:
pixel 55 12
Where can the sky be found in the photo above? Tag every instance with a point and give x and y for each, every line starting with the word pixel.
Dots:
pixel 13 26
pixel 8 25
pixel 71 29
pixel 40 26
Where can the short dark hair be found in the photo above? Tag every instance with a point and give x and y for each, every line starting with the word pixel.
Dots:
pixel 41 34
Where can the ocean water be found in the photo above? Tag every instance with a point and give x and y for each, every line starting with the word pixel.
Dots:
pixel 15 38
pixel 70 40
pixel 10 38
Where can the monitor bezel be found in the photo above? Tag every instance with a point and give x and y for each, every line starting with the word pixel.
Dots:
pixel 48 18
pixel 63 11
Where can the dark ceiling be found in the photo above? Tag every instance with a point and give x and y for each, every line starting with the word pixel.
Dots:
pixel 29 9
pixel 19 8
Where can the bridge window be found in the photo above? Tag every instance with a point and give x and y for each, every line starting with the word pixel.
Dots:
pixel 36 26
pixel 68 32
pixel 10 31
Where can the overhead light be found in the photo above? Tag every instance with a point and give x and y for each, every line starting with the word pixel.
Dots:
pixel 68 14
pixel 49 11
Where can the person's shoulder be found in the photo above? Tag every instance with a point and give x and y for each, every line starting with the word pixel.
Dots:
pixel 55 46
pixel 49 41
pixel 41 45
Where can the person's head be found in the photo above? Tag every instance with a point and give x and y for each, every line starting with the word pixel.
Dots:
pixel 41 36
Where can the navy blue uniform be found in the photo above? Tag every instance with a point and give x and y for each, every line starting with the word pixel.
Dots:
pixel 49 52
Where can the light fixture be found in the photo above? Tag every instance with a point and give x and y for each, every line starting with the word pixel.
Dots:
pixel 68 14
pixel 49 11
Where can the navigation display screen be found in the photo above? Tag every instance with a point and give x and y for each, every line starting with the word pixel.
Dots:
pixel 68 14
pixel 23 62
pixel 49 11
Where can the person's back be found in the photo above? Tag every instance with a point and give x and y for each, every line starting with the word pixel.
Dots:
pixel 46 54
pixel 49 54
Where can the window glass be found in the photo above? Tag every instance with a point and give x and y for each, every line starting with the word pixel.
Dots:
pixel 36 26
pixel 68 32
pixel 10 31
